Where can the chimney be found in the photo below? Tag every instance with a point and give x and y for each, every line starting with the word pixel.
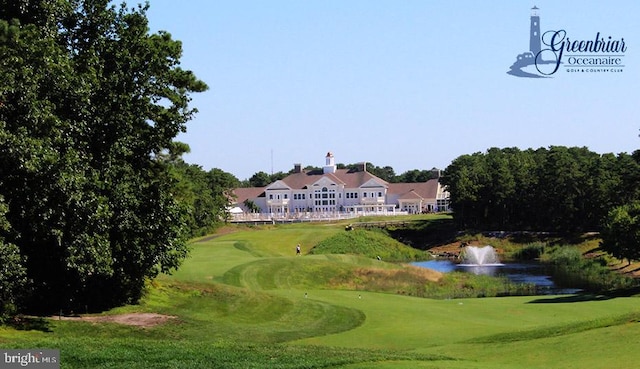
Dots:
pixel 297 168
pixel 362 167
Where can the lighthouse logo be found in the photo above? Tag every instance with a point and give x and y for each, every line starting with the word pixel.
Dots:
pixel 553 52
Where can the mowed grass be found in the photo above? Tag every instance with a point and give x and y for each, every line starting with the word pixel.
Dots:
pixel 244 300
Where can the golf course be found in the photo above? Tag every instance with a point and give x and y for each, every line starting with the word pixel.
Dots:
pixel 244 299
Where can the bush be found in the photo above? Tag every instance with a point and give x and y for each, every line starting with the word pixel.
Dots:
pixel 529 252
pixel 593 275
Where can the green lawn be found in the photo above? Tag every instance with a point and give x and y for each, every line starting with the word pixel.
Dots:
pixel 244 300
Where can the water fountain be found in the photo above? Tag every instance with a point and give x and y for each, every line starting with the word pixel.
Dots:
pixel 486 255
pixel 484 261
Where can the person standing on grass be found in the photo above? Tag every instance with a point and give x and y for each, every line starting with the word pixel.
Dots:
pixel 298 249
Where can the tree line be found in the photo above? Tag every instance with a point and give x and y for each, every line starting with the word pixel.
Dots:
pixel 558 189
pixel 564 189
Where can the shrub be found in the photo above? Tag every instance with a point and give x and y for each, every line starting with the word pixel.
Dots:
pixel 593 275
pixel 468 285
pixel 529 252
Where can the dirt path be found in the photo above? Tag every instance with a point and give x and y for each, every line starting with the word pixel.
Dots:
pixel 144 320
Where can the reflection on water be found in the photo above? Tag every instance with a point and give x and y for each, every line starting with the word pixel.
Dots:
pixel 534 273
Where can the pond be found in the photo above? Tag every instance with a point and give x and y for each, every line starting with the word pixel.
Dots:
pixel 521 272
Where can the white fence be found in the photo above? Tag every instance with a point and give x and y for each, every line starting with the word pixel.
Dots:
pixel 306 217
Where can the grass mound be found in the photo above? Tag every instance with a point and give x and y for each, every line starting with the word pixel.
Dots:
pixel 291 273
pixel 402 281
pixel 246 315
pixel 339 272
pixel 371 243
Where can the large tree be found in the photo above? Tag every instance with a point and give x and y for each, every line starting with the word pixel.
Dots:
pixel 89 100
pixel 621 232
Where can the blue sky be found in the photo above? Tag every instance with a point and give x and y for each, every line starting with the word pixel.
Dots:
pixel 410 84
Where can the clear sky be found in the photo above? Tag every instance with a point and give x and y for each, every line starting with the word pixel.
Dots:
pixel 410 84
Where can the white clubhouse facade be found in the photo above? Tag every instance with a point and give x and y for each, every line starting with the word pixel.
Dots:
pixel 332 192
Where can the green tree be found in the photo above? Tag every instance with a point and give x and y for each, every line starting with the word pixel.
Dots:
pixel 621 232
pixel 627 168
pixel 221 184
pixel 192 191
pixel 260 179
pixel 465 178
pixel 13 273
pixel 251 206
pixel 89 102
pixel 416 175
pixel 387 173
pixel 567 177
pixel 500 188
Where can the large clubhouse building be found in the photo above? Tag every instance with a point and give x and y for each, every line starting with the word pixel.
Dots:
pixel 330 191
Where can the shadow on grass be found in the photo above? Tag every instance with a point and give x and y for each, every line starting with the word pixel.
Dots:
pixel 25 323
pixel 583 297
pixel 573 298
